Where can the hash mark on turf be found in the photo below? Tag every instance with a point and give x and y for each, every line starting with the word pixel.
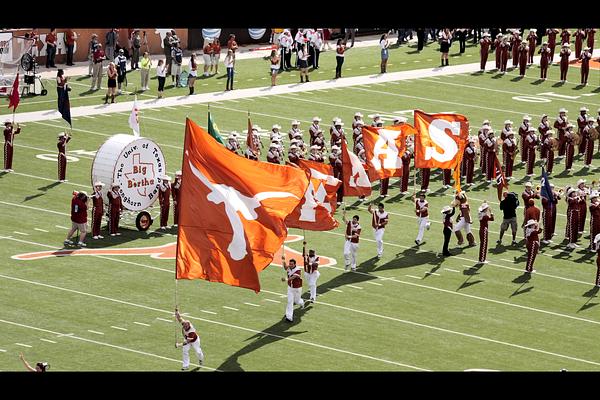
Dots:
pixel 273 301
pixel 62 227
pixel 2 350
pixel 47 340
pixel 208 312
pixel 363 67
pixel 355 287
pixel 337 290
pixel 96 332
pixel 41 230
pixel 412 276
pixel 118 327
pixel 374 283
pixel 21 233
pixel 140 323
pixel 250 304
pixel 231 308
pixel 162 319
pixel 451 270
pixel 170 108
pixel 432 273
pixel 24 345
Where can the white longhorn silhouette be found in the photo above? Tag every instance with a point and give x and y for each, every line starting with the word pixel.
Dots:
pixel 235 201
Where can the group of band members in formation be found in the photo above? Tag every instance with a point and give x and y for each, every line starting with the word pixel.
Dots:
pixel 522 51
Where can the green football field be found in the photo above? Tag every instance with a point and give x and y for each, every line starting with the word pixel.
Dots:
pixel 410 311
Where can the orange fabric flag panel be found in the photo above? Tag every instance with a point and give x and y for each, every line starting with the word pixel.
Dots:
pixel 315 211
pixel 384 148
pixel 355 179
pixel 232 212
pixel 440 140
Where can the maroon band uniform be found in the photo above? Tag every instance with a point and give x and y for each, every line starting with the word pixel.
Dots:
pixel 115 206
pixel 572 219
pixel 523 128
pixel 483 236
pixel 564 63
pixel 469 163
pixel 481 137
pixel 531 42
pixel 569 149
pixel 589 144
pixel 598 267
pixel 484 51
pixel 164 199
pixel 585 58
pixel 405 170
pixel 590 32
pixel 579 36
pixel 549 216
pixel 533 246
pixel 531 142
pixel 561 126
pixel 548 151
pixel 175 188
pixel 594 221
pixel 97 212
pixel 523 51
pixel 490 151
pixel 62 157
pixel 509 147
pixel 582 209
pixel 447 174
pixel 552 32
pixel 545 59
pixel 9 142
pixel 425 174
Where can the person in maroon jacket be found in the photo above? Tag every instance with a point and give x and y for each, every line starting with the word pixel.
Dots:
pixel 531 142
pixel 564 62
pixel 528 194
pixel 560 124
pixel 589 142
pixel 468 162
pixel 590 33
pixel 335 160
pixel 545 60
pixel 97 210
pixel 498 58
pixel 515 42
pixel 585 58
pixel 594 219
pixel 425 174
pixel 9 143
pixel 406 157
pixel 565 36
pixel 543 129
pixel 549 215
pixel 485 216
pixel 596 241
pixel 164 198
pixel 175 189
pixel 353 231
pixel 532 239
pixel 78 218
pixel 531 42
pixel 294 290
pixel 63 139
pixel 523 51
pixel 572 217
pixel 547 148
pixel 531 211
pixel 504 54
pixel 582 123
pixel 491 150
pixel 509 148
pixel 523 129
pixel 569 147
pixel 115 207
pixel 551 32
pixel 484 50
pixel 311 271
pixel 579 36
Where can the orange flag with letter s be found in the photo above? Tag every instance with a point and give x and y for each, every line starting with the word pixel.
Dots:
pixel 384 148
pixel 315 211
pixel 354 175
pixel 232 212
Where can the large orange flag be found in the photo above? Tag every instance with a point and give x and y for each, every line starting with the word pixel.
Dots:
pixel 231 217
pixel 384 148
pixel 315 211
pixel 355 179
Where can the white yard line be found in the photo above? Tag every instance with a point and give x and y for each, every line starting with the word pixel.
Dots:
pixel 2 351
pixel 21 233
pixel 252 304
pixel 41 230
pixel 273 301
pixel 451 270
pixel 432 273
pixel 163 319
pixel 118 327
pixel 47 340
pixel 24 345
pixel 96 332
pixel 208 312
pixel 415 277
pixel 354 287
pixel 231 308
pixel 58 226
pixel 140 323
pixel 374 283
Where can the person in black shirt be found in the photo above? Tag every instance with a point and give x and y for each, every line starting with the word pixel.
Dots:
pixel 448 213
pixel 509 206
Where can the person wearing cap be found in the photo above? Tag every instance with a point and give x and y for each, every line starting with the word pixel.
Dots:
pixel 357 117
pixel 565 37
pixel 97 210
pixel 547 151
pixel 504 49
pixel 447 212
pixel 531 211
pixel 92 46
pixel 379 220
pixel 515 42
pixel 376 120
pixel 528 194
pixel 190 339
pixel 353 230
pixel 9 143
pixel 357 130
pixel 579 36
pixel 523 130
pixel 175 190
pixel 167 52
pixel 523 51
pixel 337 133
pixel 586 134
pixel 273 154
pixel 509 148
pixel 597 246
pixel 543 129
pixel 585 58
pixel 560 124
pixel 335 160
pixel 496 46
pixel 491 148
pixel 176 62
pixel 319 140
pixel 115 207
pixel 531 42
pixel 590 33
pixel 545 60
pixel 583 193
pixel 232 144
pixel 215 56
pixel 136 43
pixel 164 199
pixel 63 139
pixel 422 212
pixel 582 123
pixel 464 220
pixel 285 46
pixel 484 50
pixel 594 219
pixel 78 218
pixel 293 155
pixel 294 129
pixel 549 214
pixel 311 271
pixel 315 154
pixel 482 135
pixel 552 32
pixel 485 216
pixel 532 241
pixel 468 161
pixel 531 142
pixel 314 130
pixel 572 228
pixel 425 174
pixel 565 53
pixel 146 64
pixel 121 64
pixel 507 128
pixel 569 147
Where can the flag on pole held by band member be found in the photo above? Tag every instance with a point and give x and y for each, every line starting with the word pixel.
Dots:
pixel 14 98
pixel 315 211
pixel 499 176
pixel 250 138
pixel 440 141
pixel 384 148
pixel 546 190
pixel 355 179
pixel 134 118
pixel 213 129
pixel 232 212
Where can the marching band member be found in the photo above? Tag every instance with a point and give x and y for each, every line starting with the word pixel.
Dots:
pixel 315 154
pixel 337 132
pixel 523 50
pixel 528 194
pixel 311 271
pixel 594 219
pixel 598 125
pixel 569 147
pixel 357 130
pixel 545 59
pixel 581 123
pixel 531 211
pixel 191 339
pixel 358 144
pixel 507 128
pixel 335 160
pixel 551 32
pixel 523 129
pixel 572 217
pixel 548 149
pixel 482 136
pixel 579 36
pixel 63 139
pixel 115 207
pixel 497 42
pixel 532 242
pixel 353 230
pixel 531 42
pixel 256 139
pixel 9 143
pixel 509 149
pixel 565 52
pixel 232 143
pixel 275 132
pixel 464 220
pixel 561 127
pixel 503 48
pixel 300 141
pixel 175 188
pixel 285 43
pixel 447 228
pixel 319 140
pixel 422 211
pixel 294 130
pixel 293 155
pixel 406 170
pixel 379 220
pixel 583 192
pixel 490 150
pixel 468 162
pixel 484 50
pixel 447 174
pixel 294 290
pixel 590 33
pixel 314 129
pixel 543 129
pixel 589 142
pixel 596 241
pixel 565 36
pixel 97 210
pixel 485 216
pixel 357 117
pixel 273 154
pixel 251 154
pixel 549 215
pixel 425 174
pixel 585 58
pixel 531 142
pixel 164 198
pixel 376 120
pixel 515 40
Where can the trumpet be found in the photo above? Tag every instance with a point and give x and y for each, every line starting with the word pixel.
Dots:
pixel 561 191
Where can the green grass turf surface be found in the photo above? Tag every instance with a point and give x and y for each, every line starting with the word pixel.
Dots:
pixel 410 310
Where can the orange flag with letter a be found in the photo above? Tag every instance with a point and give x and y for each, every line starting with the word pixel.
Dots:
pixel 232 212
pixel 355 179
pixel 315 211
pixel 384 148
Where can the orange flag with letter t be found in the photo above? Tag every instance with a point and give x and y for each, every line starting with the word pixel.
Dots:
pixel 232 211
pixel 384 148
pixel 315 211
pixel 355 179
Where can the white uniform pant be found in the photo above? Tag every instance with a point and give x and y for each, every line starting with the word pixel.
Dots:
pixel 350 251
pixel 293 298
pixel 423 222
pixel 186 352
pixel 378 233
pixel 312 283
pixel 462 224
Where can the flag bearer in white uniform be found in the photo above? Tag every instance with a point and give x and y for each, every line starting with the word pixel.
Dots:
pixel 379 220
pixel 422 211
pixel 191 339
pixel 294 290
pixel 353 230
pixel 311 272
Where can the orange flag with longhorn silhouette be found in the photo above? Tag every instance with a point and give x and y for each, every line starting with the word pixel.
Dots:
pixel 384 148
pixel 354 175
pixel 232 211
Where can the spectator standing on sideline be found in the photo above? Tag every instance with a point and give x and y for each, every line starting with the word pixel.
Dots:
pixel 340 49
pixel 177 59
pixel 121 64
pixel 193 73
pixel 97 72
pixel 92 46
pixel 420 38
pixel 229 65
pixel 191 339
pixel 112 39
pixel 146 64
pixel 232 44
pixel 384 43
pixel 39 367
pixel 285 44
pixel 509 207
pixel 317 41
pixel 215 56
pixel 303 63
pixel 78 218
pixel 350 33
pixel 111 74
pixel 175 188
pixel 115 207
pixel 167 52
pixel 461 36
pixel 136 43
pixel 206 55
pixel 445 39
pixel 274 59
pixel 70 39
pixel 61 83
pixel 161 75
pixel 51 48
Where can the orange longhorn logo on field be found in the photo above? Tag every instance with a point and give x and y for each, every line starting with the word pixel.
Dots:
pixel 163 252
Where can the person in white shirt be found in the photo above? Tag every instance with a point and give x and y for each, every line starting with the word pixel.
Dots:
pixel 303 63
pixel 311 272
pixel 161 75
pixel 317 42
pixel 191 339
pixel 379 221
pixel 384 44
pixel 294 290
pixel 285 45
pixel 229 64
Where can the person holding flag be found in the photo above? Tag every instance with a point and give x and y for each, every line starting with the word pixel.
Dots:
pixel 380 219
pixel 191 339
pixel 63 139
pixel 422 211
pixel 294 290
pixel 9 143
pixel 549 202
pixel 353 230
pixel 311 272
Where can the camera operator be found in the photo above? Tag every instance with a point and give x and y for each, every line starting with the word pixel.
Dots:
pixel 509 207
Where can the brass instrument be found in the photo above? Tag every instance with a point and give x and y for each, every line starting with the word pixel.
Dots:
pixel 554 144
pixel 538 189
pixel 594 134
pixel 577 138
pixel 561 191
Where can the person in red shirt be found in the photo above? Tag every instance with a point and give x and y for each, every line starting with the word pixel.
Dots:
pixel 596 241
pixel 9 143
pixel 51 48
pixel 353 230
pixel 231 43
pixel 545 60
pixel 78 217
pixel 70 38
pixel 311 271
pixel 215 56
pixel 294 290
pixel 585 58
pixel 485 43
pixel 115 206
pixel 175 188
pixel 532 239
pixel 164 198
pixel 97 210
pixel 485 216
